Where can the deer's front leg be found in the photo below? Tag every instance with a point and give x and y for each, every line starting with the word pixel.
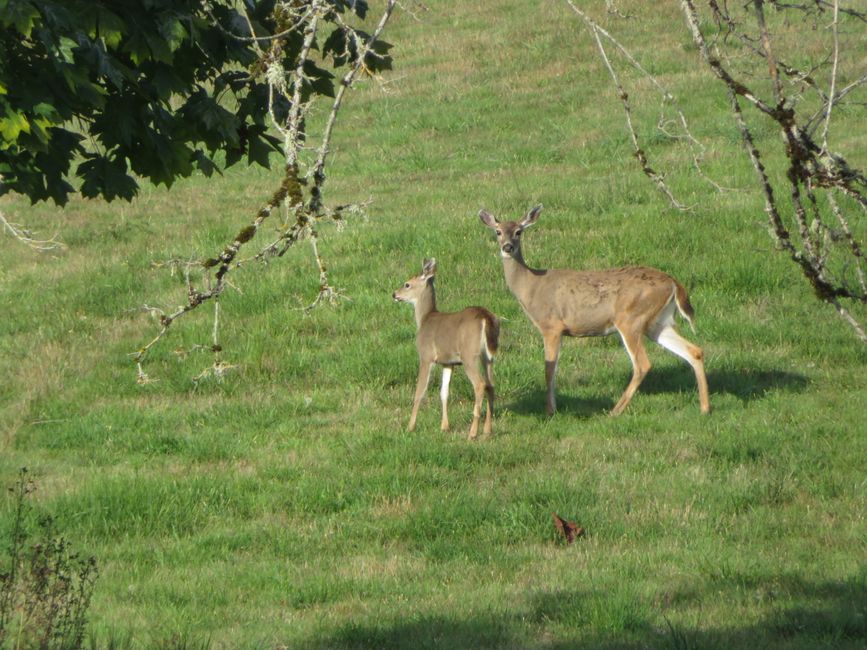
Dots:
pixel 552 353
pixel 420 388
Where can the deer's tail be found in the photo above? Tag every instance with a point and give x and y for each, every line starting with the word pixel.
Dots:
pixel 490 332
pixel 684 306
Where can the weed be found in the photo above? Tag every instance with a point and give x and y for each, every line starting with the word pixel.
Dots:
pixel 45 587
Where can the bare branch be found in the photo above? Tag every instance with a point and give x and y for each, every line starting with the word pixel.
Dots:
pixel 854 246
pixel 714 63
pixel 26 237
pixel 255 40
pixel 810 167
pixel 838 99
pixel 847 316
pixel 818 6
pixel 295 111
pixel 831 92
pixel 639 153
pixel 769 56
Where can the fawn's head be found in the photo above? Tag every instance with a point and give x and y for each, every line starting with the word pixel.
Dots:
pixel 415 286
pixel 509 232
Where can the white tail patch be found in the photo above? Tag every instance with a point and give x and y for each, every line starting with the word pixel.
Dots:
pixel 488 354
pixel 680 309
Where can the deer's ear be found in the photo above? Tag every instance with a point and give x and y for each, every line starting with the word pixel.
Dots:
pixel 429 268
pixel 531 216
pixel 488 219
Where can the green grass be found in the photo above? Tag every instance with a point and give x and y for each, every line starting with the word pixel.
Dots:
pixel 287 506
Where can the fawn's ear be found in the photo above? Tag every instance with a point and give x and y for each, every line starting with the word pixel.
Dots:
pixel 488 219
pixel 531 216
pixel 429 268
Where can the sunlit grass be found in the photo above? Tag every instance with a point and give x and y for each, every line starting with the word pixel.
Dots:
pixel 287 504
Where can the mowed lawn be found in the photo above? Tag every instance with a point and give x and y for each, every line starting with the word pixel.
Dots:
pixel 286 506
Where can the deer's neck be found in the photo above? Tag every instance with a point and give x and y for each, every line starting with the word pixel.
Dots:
pixel 518 275
pixel 425 305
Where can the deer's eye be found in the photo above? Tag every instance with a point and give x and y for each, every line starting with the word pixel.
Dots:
pixel 518 232
pixel 499 233
pixel 406 286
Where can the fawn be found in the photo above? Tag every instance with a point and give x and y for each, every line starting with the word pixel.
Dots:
pixel 451 339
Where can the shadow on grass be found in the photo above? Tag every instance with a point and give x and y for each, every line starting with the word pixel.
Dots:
pixel 746 384
pixel 809 615
pixel 533 403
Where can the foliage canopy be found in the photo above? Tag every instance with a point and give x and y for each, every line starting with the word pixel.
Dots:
pixel 96 92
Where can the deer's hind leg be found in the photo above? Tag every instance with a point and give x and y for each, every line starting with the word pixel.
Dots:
pixel 479 385
pixel 489 390
pixel 444 397
pixel 634 344
pixel 668 338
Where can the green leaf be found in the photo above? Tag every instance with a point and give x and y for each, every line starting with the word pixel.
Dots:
pixel 12 125
pixel 110 27
pixel 174 32
pixel 106 177
pixel 320 80
pixel 258 150
pixel 205 164
pixel 19 14
pixel 379 59
pixel 84 90
pixel 65 48
pixel 215 119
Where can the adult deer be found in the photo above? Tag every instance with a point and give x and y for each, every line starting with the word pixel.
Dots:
pixel 451 339
pixel 633 301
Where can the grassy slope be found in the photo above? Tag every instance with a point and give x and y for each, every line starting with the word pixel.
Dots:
pixel 287 504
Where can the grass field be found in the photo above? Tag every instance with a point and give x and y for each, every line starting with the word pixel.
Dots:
pixel 286 506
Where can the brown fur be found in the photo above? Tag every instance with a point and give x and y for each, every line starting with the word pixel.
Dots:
pixel 451 339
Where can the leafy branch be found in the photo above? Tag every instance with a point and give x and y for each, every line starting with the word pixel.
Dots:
pixel 294 76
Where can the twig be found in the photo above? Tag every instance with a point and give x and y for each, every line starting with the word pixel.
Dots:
pixel 25 236
pixel 294 119
pixel 639 153
pixel 854 246
pixel 828 103
pixel 253 39
pixel 758 5
pixel 831 92
pixel 714 63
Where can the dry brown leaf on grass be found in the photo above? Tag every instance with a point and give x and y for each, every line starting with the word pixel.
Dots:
pixel 568 529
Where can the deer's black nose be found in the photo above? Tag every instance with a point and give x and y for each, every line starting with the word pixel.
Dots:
pixel 508 248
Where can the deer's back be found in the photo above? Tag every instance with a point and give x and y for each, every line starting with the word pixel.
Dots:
pixel 587 303
pixel 454 337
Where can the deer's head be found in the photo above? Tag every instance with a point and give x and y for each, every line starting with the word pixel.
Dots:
pixel 415 286
pixel 509 232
